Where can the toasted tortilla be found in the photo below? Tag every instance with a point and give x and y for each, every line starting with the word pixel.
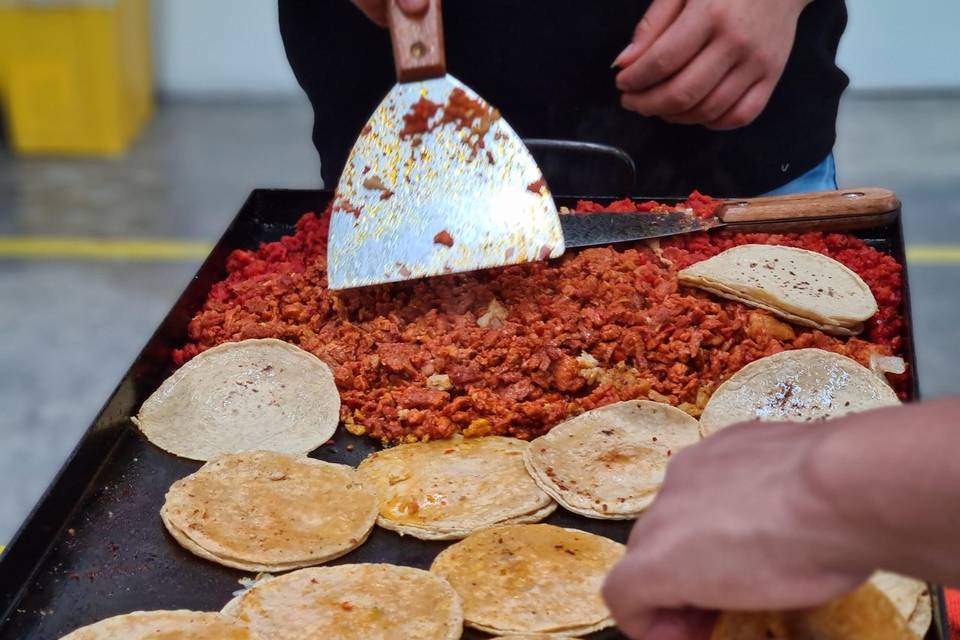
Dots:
pixel 268 511
pixel 864 614
pixel 910 596
pixel 147 625
pixel 836 330
pixel 534 636
pixel 447 489
pixel 610 462
pixel 240 396
pixel 531 578
pixel 351 601
pixel 800 385
pixel 799 285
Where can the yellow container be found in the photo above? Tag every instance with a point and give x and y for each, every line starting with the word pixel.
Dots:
pixel 75 77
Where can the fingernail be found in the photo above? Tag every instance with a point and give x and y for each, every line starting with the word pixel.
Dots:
pixel 413 6
pixel 630 50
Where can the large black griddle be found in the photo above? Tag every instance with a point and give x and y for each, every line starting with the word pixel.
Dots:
pixel 94 546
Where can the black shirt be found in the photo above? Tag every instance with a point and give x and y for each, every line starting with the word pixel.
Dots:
pixel 546 65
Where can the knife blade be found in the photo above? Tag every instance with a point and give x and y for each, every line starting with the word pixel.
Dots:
pixel 826 210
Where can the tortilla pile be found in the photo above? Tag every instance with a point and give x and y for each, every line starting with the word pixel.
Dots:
pixel 534 636
pixel 865 614
pixel 610 462
pixel 447 489
pixel 531 578
pixel 804 287
pixel 144 625
pixel 887 607
pixel 268 511
pixel 910 596
pixel 351 601
pixel 799 385
pixel 238 396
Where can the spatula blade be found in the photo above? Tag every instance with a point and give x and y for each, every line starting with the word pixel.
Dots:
pixel 451 199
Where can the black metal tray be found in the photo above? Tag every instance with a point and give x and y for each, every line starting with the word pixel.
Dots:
pixel 94 546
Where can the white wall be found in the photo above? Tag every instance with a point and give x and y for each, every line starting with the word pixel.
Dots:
pixel 233 47
pixel 220 48
pixel 891 44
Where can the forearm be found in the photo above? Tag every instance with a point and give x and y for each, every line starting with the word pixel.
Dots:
pixel 891 480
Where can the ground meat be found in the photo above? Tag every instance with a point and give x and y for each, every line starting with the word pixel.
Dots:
pixel 593 327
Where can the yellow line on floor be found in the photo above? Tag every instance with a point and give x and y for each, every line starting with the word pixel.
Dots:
pixel 162 250
pixel 132 249
pixel 933 254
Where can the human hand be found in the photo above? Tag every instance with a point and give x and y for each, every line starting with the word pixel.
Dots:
pixel 739 523
pixel 376 10
pixel 708 62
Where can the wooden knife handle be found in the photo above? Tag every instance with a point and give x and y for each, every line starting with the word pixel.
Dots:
pixel 802 206
pixel 418 52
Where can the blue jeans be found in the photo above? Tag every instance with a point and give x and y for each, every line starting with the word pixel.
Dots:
pixel 822 177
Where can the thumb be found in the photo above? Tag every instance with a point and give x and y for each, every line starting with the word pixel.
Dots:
pixel 413 7
pixel 655 21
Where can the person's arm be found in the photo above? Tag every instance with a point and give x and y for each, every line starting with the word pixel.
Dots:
pixel 784 515
pixel 376 10
pixel 709 62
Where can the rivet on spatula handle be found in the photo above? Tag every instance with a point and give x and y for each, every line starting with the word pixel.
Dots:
pixel 418 52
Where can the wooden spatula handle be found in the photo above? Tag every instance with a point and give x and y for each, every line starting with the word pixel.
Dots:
pixel 820 205
pixel 418 52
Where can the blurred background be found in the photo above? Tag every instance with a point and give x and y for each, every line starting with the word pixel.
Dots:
pixel 134 131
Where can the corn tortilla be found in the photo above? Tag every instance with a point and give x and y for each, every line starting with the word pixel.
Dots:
pixel 799 385
pixel 530 578
pixel 803 286
pixel 864 614
pixel 256 394
pixel 160 625
pixel 268 511
pixel 351 601
pixel 610 462
pixel 836 330
pixel 447 489
pixel 534 636
pixel 910 596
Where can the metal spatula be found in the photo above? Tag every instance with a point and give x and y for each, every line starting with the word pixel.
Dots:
pixel 437 182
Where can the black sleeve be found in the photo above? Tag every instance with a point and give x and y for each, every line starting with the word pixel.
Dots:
pixel 546 65
pixel 344 64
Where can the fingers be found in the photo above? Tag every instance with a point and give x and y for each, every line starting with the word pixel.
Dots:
pixel 655 21
pixel 747 108
pixel 412 7
pixel 376 10
pixel 680 624
pixel 634 594
pixel 685 90
pixel 676 47
pixel 721 99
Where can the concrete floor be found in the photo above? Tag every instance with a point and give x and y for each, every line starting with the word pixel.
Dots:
pixel 70 329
